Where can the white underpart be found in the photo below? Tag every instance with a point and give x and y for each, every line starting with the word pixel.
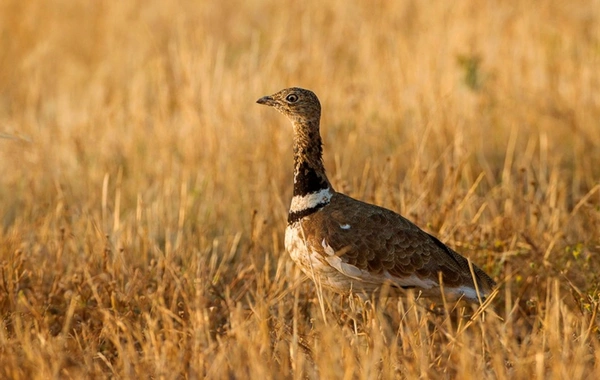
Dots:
pixel 336 273
pixel 300 203
pixel 464 291
pixel 345 226
pixel 339 264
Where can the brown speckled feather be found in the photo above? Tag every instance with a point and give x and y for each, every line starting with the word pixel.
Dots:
pixel 379 239
pixel 352 246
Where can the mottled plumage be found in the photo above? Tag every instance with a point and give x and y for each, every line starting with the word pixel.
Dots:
pixel 352 246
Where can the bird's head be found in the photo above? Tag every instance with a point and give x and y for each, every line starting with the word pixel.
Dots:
pixel 296 103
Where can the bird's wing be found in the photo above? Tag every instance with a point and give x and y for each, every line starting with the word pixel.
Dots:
pixel 380 241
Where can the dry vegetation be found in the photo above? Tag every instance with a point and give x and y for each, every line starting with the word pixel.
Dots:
pixel 143 193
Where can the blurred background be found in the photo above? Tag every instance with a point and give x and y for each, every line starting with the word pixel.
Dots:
pixel 129 133
pixel 146 96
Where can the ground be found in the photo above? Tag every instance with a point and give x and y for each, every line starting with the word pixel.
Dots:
pixel 144 194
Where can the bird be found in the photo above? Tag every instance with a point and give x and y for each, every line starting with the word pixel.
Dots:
pixel 350 246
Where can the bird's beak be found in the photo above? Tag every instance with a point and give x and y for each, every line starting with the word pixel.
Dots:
pixel 266 100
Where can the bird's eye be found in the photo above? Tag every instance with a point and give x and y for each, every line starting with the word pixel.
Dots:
pixel 292 98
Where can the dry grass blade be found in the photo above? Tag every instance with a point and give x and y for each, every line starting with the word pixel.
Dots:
pixel 133 156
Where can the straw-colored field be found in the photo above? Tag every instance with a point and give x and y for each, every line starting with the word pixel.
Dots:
pixel 144 194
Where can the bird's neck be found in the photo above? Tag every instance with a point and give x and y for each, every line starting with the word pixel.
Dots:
pixel 312 189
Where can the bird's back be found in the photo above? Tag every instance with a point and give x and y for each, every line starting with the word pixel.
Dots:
pixel 372 245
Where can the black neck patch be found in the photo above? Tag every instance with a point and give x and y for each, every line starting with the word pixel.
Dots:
pixel 307 180
pixel 295 216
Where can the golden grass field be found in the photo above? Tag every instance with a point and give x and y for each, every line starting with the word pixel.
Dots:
pixel 144 194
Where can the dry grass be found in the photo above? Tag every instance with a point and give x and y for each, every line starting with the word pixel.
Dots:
pixel 143 194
